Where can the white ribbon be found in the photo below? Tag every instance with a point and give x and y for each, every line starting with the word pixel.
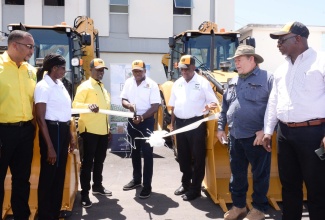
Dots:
pixel 102 111
pixel 156 139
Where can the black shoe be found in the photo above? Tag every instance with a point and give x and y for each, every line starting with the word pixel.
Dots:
pixel 102 191
pixel 190 196
pixel 145 193
pixel 180 191
pixel 85 201
pixel 131 185
pixel 65 214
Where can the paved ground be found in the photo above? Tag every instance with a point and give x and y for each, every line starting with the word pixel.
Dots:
pixel 162 204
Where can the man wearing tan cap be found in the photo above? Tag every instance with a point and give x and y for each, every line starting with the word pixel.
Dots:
pixel 141 95
pixel 191 97
pixel 297 105
pixel 94 129
pixel 243 107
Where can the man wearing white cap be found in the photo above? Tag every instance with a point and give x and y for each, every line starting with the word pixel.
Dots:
pixel 297 105
pixel 94 129
pixel 243 107
pixel 191 97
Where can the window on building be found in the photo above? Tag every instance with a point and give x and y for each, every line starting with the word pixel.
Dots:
pixel 54 2
pixel 119 6
pixel 182 7
pixel 15 2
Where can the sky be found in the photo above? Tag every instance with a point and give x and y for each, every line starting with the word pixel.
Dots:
pixel 308 12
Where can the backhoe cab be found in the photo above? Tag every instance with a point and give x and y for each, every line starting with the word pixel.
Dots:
pixel 78 45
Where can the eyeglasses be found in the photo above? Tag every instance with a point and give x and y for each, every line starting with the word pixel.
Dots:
pixel 283 40
pixel 29 46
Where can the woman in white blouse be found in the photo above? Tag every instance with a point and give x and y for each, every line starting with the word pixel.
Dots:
pixel 53 113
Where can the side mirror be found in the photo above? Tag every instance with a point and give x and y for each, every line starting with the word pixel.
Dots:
pixel 85 39
pixel 171 42
pixel 251 41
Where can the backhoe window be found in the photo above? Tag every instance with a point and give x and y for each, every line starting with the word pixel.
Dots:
pixel 200 47
pixel 50 41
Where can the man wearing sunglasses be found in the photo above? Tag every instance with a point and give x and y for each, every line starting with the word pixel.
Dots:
pixel 17 84
pixel 297 105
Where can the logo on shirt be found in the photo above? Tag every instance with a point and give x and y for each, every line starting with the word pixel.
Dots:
pixel 197 87
pixel 147 86
pixel 30 74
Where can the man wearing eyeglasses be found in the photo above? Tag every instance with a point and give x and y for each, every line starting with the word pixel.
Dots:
pixel 297 105
pixel 94 129
pixel 17 84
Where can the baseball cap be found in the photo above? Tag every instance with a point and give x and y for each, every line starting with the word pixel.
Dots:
pixel 138 65
pixel 244 50
pixel 186 61
pixel 98 64
pixel 291 27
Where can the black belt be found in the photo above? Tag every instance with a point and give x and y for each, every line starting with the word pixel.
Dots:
pixel 58 122
pixel 194 119
pixel 17 124
pixel 313 122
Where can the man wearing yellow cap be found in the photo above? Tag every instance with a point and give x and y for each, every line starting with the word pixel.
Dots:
pixel 94 129
pixel 297 105
pixel 141 95
pixel 191 97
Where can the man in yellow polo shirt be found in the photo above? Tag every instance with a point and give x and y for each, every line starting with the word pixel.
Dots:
pixel 17 84
pixel 94 129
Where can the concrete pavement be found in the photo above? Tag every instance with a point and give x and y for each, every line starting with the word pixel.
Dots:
pixel 161 205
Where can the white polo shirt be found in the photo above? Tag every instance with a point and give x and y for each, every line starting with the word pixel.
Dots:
pixel 142 96
pixel 190 98
pixel 56 97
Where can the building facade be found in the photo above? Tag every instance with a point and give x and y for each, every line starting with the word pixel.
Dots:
pixel 128 29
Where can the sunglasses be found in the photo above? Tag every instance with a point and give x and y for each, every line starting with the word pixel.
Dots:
pixel 283 40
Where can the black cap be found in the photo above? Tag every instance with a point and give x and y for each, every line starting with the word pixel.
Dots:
pixel 292 27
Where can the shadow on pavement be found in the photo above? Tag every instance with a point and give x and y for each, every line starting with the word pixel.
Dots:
pixel 157 206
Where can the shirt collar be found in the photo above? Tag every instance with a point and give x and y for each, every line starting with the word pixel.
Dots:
pixel 194 78
pixel 143 81
pixel 50 82
pixel 94 82
pixel 6 58
pixel 303 55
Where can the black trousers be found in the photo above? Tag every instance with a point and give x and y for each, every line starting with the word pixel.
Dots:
pixel 191 151
pixel 95 147
pixel 141 130
pixel 51 179
pixel 17 153
pixel 297 162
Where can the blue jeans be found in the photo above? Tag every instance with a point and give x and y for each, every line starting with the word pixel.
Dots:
pixel 141 130
pixel 242 153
